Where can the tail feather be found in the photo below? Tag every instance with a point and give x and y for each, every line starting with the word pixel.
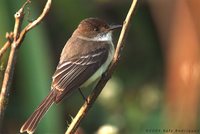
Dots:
pixel 31 124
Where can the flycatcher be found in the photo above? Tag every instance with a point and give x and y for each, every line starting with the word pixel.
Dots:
pixel 84 58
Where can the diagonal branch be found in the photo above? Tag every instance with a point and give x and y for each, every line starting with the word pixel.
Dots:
pixel 4 48
pixel 9 37
pixel 15 43
pixel 97 90
pixel 40 18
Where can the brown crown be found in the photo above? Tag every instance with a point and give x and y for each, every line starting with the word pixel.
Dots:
pixel 90 27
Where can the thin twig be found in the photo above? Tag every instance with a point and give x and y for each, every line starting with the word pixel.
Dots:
pixel 18 37
pixel 9 37
pixel 97 90
pixel 4 48
pixel 40 18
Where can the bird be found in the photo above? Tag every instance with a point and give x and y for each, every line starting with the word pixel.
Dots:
pixel 85 57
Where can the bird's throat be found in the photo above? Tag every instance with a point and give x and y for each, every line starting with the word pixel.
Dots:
pixel 99 37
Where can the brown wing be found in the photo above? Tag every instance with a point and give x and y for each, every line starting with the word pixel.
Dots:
pixel 73 73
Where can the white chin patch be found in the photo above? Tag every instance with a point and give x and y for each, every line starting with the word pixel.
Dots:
pixel 100 37
pixel 105 37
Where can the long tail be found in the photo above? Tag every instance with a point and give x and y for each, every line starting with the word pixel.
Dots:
pixel 31 124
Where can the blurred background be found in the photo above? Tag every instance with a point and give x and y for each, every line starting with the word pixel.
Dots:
pixel 154 88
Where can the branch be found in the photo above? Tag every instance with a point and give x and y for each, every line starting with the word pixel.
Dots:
pixel 40 18
pixel 97 90
pixel 15 40
pixel 4 48
pixel 9 37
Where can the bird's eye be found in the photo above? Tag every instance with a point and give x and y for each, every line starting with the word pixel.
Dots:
pixel 96 29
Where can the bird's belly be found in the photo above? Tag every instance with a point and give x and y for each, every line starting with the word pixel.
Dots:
pixel 101 70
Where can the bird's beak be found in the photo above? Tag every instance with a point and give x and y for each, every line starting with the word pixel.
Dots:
pixel 113 27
